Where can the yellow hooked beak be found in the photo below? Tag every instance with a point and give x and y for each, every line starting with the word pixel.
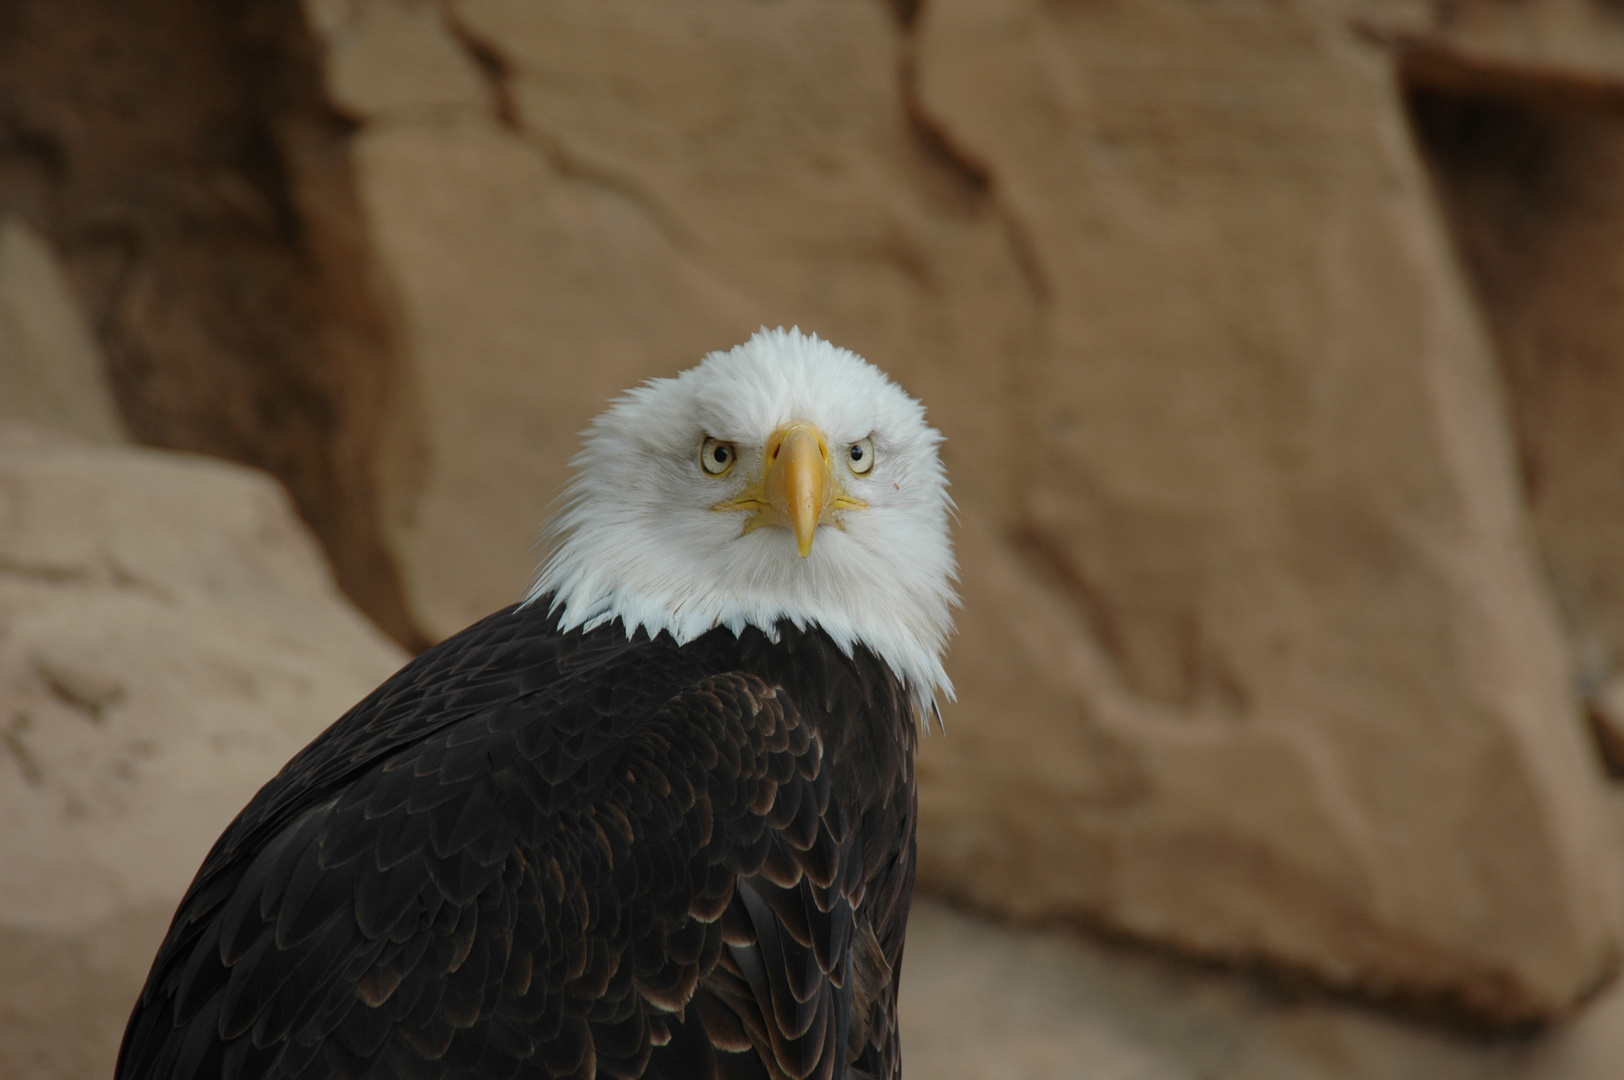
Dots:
pixel 797 488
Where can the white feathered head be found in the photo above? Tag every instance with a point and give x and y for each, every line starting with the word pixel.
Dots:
pixel 784 479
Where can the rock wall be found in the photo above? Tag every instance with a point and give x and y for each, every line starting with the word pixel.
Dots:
pixel 51 370
pixel 1528 178
pixel 574 197
pixel 1283 628
pixel 180 159
pixel 170 634
pixel 1257 659
pixel 1272 344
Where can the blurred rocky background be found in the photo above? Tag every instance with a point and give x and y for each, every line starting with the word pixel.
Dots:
pixel 1279 345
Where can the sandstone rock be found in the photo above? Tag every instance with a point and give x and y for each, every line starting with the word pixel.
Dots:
pixel 985 1002
pixel 1606 710
pixel 1291 683
pixel 171 636
pixel 1256 658
pixel 1257 661
pixel 1577 42
pixel 584 232
pixel 192 177
pixel 393 57
pixel 1529 183
pixel 51 370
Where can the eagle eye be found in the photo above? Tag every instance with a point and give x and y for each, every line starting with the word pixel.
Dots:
pixel 716 457
pixel 861 455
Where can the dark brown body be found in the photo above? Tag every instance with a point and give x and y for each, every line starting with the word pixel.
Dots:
pixel 535 854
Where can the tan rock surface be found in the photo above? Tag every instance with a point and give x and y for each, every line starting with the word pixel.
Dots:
pixel 1531 188
pixel 1256 658
pixel 185 164
pixel 51 370
pixel 584 230
pixel 169 635
pixel 983 1002
pixel 1576 42
pixel 1306 694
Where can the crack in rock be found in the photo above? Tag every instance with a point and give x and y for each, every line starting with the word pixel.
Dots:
pixel 13 740
pixel 974 176
pixel 83 692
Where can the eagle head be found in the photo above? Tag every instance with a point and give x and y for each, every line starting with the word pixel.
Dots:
pixel 785 479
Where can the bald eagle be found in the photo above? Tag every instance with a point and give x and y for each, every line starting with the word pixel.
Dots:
pixel 654 820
